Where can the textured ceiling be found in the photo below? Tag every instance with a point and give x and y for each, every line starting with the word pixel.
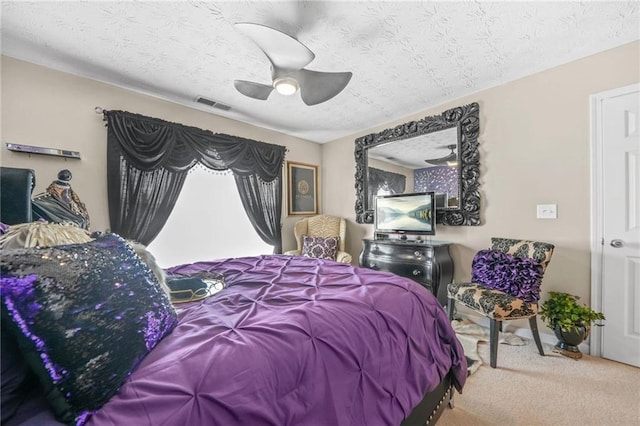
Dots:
pixel 405 56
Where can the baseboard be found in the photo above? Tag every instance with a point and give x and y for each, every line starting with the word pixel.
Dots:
pixel 520 328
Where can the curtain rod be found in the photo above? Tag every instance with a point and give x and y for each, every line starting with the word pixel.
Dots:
pixel 98 110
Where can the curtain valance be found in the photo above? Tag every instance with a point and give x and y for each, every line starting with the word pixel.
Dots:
pixel 147 164
pixel 148 143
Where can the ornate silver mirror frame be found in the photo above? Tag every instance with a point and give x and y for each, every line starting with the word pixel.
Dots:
pixel 467 122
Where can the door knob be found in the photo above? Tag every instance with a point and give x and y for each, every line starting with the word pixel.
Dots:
pixel 616 243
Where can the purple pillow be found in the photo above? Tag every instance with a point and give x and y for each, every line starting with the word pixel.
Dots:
pixel 518 276
pixel 84 316
pixel 17 378
pixel 320 248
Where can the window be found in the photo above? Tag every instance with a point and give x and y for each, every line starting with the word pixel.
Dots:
pixel 208 222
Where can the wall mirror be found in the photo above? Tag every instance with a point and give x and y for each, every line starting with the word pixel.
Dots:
pixel 437 153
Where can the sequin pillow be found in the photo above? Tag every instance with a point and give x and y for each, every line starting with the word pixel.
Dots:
pixel 518 276
pixel 85 315
pixel 321 248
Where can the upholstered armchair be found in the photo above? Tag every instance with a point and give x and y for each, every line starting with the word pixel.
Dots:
pixel 325 231
pixel 505 286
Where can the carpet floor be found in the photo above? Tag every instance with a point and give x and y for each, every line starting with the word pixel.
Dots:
pixel 527 389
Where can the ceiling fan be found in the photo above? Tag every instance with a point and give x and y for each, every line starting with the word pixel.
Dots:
pixel 288 58
pixel 446 160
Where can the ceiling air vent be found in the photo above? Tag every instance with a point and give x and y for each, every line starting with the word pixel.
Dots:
pixel 213 104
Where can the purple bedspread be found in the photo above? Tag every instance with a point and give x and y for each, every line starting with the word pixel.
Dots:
pixel 293 341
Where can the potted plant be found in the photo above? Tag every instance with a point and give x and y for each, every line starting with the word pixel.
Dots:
pixel 570 321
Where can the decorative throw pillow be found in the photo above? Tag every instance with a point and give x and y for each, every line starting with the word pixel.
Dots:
pixel 47 234
pixel 17 379
pixel 519 277
pixel 84 316
pixel 42 234
pixel 321 248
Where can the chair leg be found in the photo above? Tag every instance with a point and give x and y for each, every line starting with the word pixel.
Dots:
pixel 494 327
pixel 533 323
pixel 450 307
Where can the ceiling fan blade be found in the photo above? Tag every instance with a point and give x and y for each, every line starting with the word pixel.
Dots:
pixel 284 51
pixel 444 160
pixel 441 161
pixel 253 90
pixel 317 87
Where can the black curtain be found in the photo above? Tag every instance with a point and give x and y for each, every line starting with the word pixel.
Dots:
pixel 394 183
pixel 147 164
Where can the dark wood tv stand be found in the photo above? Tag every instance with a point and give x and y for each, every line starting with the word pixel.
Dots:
pixel 427 262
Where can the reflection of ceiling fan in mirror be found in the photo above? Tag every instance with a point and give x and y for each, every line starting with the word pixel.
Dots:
pixel 288 58
pixel 447 160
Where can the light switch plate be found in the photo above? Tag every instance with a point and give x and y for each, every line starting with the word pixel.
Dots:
pixel 547 211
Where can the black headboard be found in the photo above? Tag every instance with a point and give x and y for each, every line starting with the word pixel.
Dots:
pixel 16 186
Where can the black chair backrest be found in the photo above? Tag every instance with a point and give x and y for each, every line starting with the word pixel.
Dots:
pixel 16 186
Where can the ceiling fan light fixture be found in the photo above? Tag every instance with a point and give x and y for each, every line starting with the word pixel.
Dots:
pixel 286 85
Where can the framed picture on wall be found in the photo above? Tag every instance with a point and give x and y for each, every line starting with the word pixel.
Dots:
pixel 302 188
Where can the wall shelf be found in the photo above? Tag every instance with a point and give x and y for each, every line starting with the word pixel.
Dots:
pixel 30 149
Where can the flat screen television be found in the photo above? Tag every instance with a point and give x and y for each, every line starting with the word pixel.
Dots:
pixel 405 214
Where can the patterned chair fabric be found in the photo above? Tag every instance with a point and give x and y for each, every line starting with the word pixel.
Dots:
pixel 498 305
pixel 491 303
pixel 322 226
pixel 541 252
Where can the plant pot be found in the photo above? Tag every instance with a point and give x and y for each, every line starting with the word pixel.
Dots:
pixel 568 341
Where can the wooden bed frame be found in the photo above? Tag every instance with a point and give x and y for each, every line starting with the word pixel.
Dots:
pixel 429 410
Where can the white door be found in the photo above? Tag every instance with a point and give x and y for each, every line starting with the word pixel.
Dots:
pixel 619 139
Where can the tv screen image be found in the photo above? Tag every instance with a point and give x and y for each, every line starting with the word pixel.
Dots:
pixel 406 213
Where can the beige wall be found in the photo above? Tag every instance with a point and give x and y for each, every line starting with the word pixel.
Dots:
pixel 48 108
pixel 534 149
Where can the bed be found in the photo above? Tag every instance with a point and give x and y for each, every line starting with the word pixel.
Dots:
pixel 289 341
